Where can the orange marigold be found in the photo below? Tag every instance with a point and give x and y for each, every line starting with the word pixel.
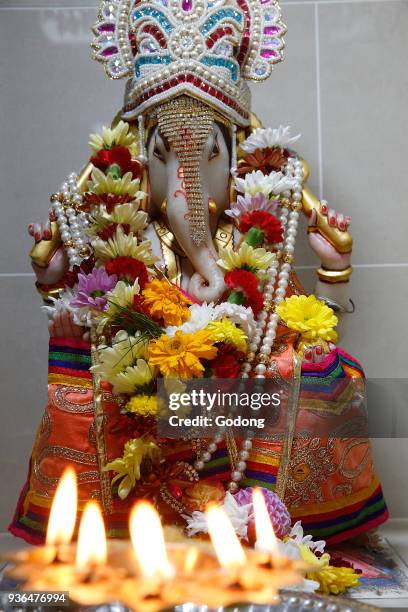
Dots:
pixel 180 356
pixel 165 301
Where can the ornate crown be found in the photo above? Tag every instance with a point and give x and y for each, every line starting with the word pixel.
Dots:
pixel 204 48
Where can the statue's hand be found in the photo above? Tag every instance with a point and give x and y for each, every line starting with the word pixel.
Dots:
pixel 62 326
pixel 316 354
pixel 58 264
pixel 329 256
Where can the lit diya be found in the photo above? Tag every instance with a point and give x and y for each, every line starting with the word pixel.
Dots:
pixel 147 573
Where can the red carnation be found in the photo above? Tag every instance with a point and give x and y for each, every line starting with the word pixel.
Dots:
pixel 110 230
pixel 245 285
pixel 109 199
pixel 265 223
pixel 227 364
pixel 129 269
pixel 117 156
pixel 139 305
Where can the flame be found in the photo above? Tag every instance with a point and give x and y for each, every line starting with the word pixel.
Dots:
pixel 62 519
pixel 91 548
pixel 224 539
pixel 190 560
pixel 147 537
pixel 265 535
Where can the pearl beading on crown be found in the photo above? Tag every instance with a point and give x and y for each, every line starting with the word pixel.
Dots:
pixel 203 48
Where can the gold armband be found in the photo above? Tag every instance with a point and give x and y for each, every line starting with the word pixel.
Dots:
pixel 334 276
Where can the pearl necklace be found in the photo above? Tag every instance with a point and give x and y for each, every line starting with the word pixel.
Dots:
pixel 72 222
pixel 261 344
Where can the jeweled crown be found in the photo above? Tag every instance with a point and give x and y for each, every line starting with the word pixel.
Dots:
pixel 203 48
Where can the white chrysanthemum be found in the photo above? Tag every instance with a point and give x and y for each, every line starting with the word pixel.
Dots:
pixel 60 304
pixel 122 296
pixel 118 136
pixel 106 183
pixel 296 535
pixel 262 138
pixel 256 182
pixel 246 258
pixel 240 315
pixel 200 316
pixel 124 214
pixel 132 377
pixel 125 245
pixel 124 352
pixel 248 203
pixel 238 515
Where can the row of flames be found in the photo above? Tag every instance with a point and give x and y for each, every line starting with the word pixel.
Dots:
pixel 146 532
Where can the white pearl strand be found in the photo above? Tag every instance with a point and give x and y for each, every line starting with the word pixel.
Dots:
pixel 294 170
pixel 72 223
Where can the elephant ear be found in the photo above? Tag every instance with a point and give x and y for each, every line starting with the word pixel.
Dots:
pixel 262 43
pixel 112 45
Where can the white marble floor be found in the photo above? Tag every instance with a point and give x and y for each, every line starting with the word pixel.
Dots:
pixel 395 531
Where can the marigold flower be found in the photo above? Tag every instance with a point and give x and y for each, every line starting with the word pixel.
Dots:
pixel 180 356
pixel 143 405
pixel 166 302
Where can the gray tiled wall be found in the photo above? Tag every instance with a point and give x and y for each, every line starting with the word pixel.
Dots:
pixel 344 85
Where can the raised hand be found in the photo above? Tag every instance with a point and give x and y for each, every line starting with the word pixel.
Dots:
pixel 316 354
pixel 58 264
pixel 63 326
pixel 329 256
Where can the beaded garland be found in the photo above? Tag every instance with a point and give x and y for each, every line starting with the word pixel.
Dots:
pixel 274 291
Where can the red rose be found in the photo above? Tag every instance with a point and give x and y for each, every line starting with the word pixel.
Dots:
pixel 245 283
pixel 129 269
pixel 263 221
pixel 117 156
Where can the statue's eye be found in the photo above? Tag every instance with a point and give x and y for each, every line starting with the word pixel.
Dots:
pixel 215 150
pixel 158 153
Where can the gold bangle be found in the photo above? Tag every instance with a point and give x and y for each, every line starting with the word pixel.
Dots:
pixel 334 276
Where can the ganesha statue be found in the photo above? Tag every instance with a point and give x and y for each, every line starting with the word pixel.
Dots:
pixel 169 257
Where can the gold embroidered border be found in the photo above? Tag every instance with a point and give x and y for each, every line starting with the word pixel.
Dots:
pixel 106 492
pixel 289 427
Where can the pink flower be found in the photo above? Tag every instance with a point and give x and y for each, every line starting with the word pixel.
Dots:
pixel 248 203
pixel 278 512
pixel 92 289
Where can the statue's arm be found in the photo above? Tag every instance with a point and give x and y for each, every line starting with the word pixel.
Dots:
pixel 332 242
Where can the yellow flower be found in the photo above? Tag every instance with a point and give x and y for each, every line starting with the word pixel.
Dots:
pixel 165 301
pixel 123 214
pixel 125 245
pixel 125 351
pixel 226 331
pixel 106 183
pixel 180 356
pixel 332 580
pixel 309 316
pixel 128 466
pixel 119 136
pixel 132 377
pixel 144 405
pixel 246 258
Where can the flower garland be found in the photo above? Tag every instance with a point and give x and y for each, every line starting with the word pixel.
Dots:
pixel 153 329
